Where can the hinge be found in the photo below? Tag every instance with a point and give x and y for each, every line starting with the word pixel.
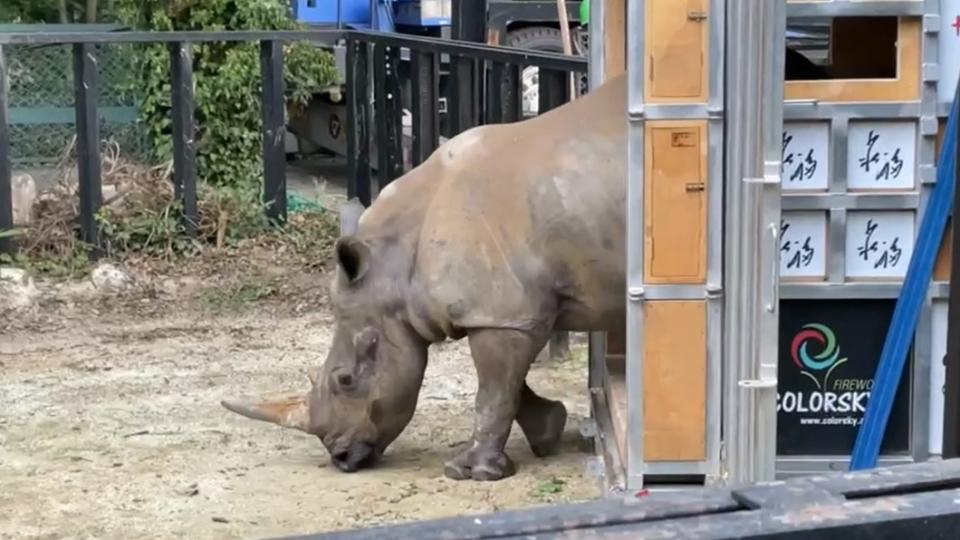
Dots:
pixel 696 16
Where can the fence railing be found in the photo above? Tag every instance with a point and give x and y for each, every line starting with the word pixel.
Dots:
pixel 486 88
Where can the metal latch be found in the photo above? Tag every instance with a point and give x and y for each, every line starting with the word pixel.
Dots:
pixel 697 16
pixel 768 378
pixel 695 186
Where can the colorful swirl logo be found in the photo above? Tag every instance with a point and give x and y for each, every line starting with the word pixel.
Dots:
pixel 826 360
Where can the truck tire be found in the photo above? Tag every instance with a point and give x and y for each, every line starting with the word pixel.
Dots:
pixel 537 38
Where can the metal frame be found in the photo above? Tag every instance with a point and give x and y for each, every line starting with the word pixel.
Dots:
pixel 638 292
pixel 754 122
pixel 837 202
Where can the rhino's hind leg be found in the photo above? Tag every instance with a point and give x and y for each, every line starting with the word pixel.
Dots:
pixel 502 359
pixel 542 421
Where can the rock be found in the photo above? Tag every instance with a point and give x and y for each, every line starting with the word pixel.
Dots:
pixel 17 289
pixel 107 277
pixel 15 276
pixel 23 191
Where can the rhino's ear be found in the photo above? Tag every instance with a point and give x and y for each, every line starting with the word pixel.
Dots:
pixel 350 213
pixel 353 256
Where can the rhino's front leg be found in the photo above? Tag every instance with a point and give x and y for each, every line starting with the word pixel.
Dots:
pixel 502 359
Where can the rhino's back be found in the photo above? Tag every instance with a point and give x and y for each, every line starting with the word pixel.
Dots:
pixel 527 221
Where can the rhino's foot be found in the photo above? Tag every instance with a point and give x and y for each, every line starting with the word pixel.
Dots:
pixel 545 427
pixel 542 421
pixel 480 465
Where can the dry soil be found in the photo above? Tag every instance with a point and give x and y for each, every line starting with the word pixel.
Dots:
pixel 110 423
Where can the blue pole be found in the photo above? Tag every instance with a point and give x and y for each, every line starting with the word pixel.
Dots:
pixel 866 449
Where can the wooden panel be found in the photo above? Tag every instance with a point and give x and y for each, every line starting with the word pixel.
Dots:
pixel 675 383
pixel 941 267
pixel 906 87
pixel 676 47
pixel 614 38
pixel 675 380
pixel 675 202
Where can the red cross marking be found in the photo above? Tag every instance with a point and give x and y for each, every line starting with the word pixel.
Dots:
pixel 956 24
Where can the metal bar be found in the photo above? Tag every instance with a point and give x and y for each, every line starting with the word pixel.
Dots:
pixel 636 156
pixel 463 109
pixel 772 39
pixel 358 135
pixel 512 104
pixel 6 172
pixel 274 130
pixel 388 114
pixel 426 44
pixel 494 98
pixel 754 50
pixel 184 143
pixel 425 88
pixel 855 8
pixel 194 36
pixel 596 350
pixel 900 336
pixel 88 141
pixel 553 90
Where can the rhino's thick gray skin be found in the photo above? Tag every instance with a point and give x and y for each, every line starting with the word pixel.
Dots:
pixel 505 234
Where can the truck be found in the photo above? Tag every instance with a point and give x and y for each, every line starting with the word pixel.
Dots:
pixel 526 24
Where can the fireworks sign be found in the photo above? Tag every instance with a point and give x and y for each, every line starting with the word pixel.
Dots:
pixel 829 350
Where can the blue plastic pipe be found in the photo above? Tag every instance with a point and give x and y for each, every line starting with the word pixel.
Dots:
pixel 866 449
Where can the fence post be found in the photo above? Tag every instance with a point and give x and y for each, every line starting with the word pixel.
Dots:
pixel 494 99
pixel 425 88
pixel 512 88
pixel 272 105
pixel 358 121
pixel 463 102
pixel 386 82
pixel 6 197
pixel 554 89
pixel 88 142
pixel 184 143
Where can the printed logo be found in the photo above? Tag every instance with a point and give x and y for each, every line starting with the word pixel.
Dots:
pixel 823 362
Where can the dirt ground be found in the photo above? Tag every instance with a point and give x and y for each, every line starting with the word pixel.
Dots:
pixel 110 423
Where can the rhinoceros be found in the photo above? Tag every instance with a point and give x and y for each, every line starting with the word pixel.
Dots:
pixel 505 234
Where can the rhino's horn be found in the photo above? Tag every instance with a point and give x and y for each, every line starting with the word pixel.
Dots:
pixel 291 412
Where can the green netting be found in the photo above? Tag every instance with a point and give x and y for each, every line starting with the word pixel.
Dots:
pixel 41 101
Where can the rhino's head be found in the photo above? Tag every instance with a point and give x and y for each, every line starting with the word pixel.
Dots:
pixel 366 391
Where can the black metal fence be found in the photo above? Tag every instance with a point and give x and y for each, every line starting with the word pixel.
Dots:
pixel 486 89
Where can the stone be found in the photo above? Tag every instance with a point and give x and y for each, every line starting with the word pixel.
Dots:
pixel 17 289
pixel 108 277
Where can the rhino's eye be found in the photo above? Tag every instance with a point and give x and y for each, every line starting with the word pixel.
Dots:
pixel 345 381
pixel 342 381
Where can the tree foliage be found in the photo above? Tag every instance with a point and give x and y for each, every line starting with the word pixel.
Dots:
pixel 227 80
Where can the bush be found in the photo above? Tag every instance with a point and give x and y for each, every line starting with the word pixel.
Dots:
pixel 227 81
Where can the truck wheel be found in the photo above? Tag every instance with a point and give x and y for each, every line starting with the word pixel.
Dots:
pixel 537 38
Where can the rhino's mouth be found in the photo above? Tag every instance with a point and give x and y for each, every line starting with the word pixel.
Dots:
pixel 358 456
